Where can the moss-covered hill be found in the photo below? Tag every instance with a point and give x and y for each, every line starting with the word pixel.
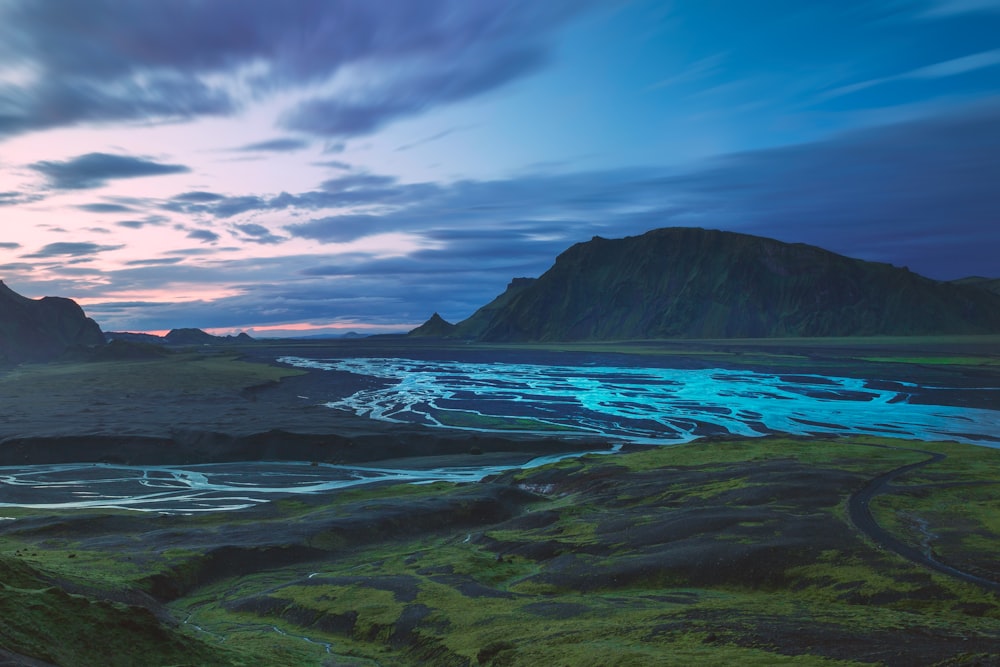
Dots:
pixel 696 283
pixel 725 552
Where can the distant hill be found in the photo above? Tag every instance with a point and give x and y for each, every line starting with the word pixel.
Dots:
pixel 435 327
pixel 42 329
pixel 178 337
pixel 695 283
pixel 327 336
pixel 130 337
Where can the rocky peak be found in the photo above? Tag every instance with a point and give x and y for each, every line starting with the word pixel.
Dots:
pixel 42 329
pixel 435 327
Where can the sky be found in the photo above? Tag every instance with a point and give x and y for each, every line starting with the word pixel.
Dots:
pixel 317 166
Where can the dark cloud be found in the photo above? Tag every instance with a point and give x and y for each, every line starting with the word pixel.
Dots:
pixel 339 228
pixel 6 245
pixel 344 116
pixel 71 249
pixel 95 169
pixel 352 190
pixel 258 234
pixel 24 267
pixel 357 182
pixel 105 208
pixel 231 206
pixel 114 60
pixel 12 198
pixel 333 164
pixel 56 102
pixel 198 197
pixel 275 146
pixel 148 221
pixel 194 252
pixel 203 235
pixel 155 262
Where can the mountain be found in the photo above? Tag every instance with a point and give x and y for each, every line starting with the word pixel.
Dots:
pixel 435 327
pixel 42 329
pixel 180 337
pixel 988 284
pixel 476 327
pixel 695 283
pixel 129 337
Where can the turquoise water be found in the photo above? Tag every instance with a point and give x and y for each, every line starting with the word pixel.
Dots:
pixel 209 487
pixel 663 405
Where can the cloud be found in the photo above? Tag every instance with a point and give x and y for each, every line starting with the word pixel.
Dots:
pixel 108 60
pixel 940 8
pixel 938 70
pixel 258 234
pixel 341 228
pixel 957 66
pixel 71 249
pixel 432 138
pixel 148 221
pixel 921 194
pixel 155 262
pixel 93 170
pixel 7 245
pixel 367 110
pixel 11 198
pixel 203 235
pixel 276 146
pixel 105 208
pixel 230 206
pixel 333 164
pixel 198 197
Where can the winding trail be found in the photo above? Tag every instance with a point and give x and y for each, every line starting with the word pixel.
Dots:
pixel 859 511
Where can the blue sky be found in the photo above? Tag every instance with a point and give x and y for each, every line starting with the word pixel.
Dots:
pixel 336 165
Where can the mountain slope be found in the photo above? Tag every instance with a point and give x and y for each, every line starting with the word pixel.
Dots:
pixel 696 283
pixel 988 284
pixel 42 329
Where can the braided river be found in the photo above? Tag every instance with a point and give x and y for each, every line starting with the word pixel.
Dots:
pixel 618 403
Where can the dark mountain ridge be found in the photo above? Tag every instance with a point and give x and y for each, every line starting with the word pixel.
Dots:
pixel 178 337
pixel 694 283
pixel 42 329
pixel 435 327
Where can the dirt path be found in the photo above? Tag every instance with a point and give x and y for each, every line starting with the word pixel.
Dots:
pixel 860 513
